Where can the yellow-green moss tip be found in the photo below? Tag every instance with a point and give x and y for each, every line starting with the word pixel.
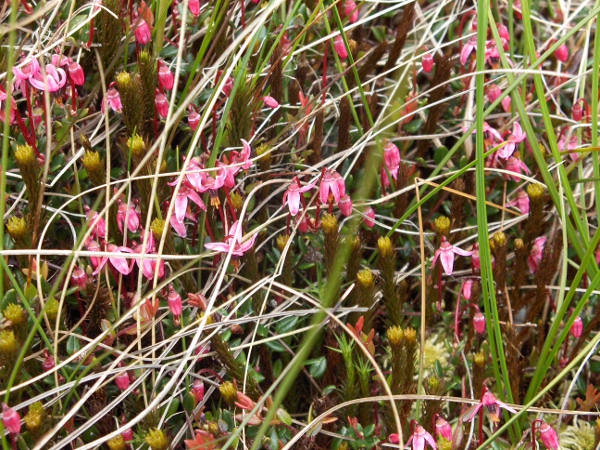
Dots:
pixel 282 241
pixel 329 224
pixel 15 314
pixel 117 443
pixel 410 336
pixel 229 392
pixel 52 309
pixel 124 80
pixel 444 444
pixel 535 191
pixel 17 228
pixel 34 419
pixel 213 428
pixel 137 146
pixel 25 155
pixel 479 359
pixel 157 227
pixel 499 239
pixel 395 335
pixel 385 247
pixel 519 244
pixel 236 200
pixel 92 163
pixel 156 439
pixel 365 278
pixel 8 343
pixel 442 226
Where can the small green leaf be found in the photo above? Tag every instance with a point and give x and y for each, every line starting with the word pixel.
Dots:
pixel 275 346
pixel 73 345
pixel 286 325
pixel 317 366
pixel 283 415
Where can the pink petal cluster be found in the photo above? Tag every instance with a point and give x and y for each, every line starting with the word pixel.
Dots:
pixel 332 187
pixel 515 165
pixel 535 257
pixel 491 404
pixel 174 301
pixel 521 202
pixel 351 10
pixel 128 214
pixel 233 242
pixel 421 438
pixel 165 76
pixel 143 33
pixel 11 419
pixel 391 161
pixel 293 193
pixel 340 47
pixel 517 136
pixel 446 254
pixel 548 436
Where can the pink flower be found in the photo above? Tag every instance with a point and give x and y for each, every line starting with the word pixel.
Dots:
pixel 162 104
pixel 148 265
pixel 492 406
pixel 345 205
pixel 165 76
pixel 123 380
pixel 119 263
pixel 93 246
pixel 76 73
pixel 577 328
pixel 517 166
pixel 340 47
pixel 113 99
pixel 48 363
pixel 468 49
pixel 479 322
pixel 548 436
pixel 194 7
pixel 193 118
pixel 128 212
pixel 442 428
pixel 332 186
pixel 427 62
pixel 521 202
pixel 391 159
pixel 517 136
pixel 233 242
pixel 351 10
pixel 59 60
pixel 503 33
pixel 394 438
pixel 178 225
pixel 535 257
pixel 562 53
pixel 96 222
pixel 270 102
pixel 420 438
pixel 13 105
pixel 293 194
pixel 181 202
pixel 174 301
pixel 23 74
pixel 568 142
pixel 369 217
pixel 446 254
pixel 54 80
pixel 143 33
pixel 11 419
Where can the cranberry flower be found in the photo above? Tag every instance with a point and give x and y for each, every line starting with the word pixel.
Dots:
pixel 468 49
pixel 391 159
pixel 23 74
pixel 515 165
pixel 547 434
pixel 351 10
pixel 113 99
pixel 119 263
pixel 165 76
pixel 492 406
pixel 181 202
pixel 420 438
pixel 442 428
pixel 128 212
pixel 292 195
pixel 517 136
pixel 521 202
pixel 143 33
pixel 446 254
pixel 11 419
pixel 332 186
pixel 54 80
pixel 233 242
pixel 340 47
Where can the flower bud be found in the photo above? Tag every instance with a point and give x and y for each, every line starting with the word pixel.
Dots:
pixel 48 363
pixel 76 74
pixel 506 104
pixel 143 34
pixel 493 92
pixel 577 112
pixel 123 380
pixel 198 391
pixel 577 328
pixel 11 419
pixel 345 205
pixel 162 104
pixel 340 47
pixel 548 436
pixel 479 322
pixel 113 98
pixel 369 218
pixel 165 76
pixel 174 300
pixel 194 7
pixel 193 118
pixel 79 277
pixel 270 102
pixel 427 62
pixel 562 53
pixel 443 429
